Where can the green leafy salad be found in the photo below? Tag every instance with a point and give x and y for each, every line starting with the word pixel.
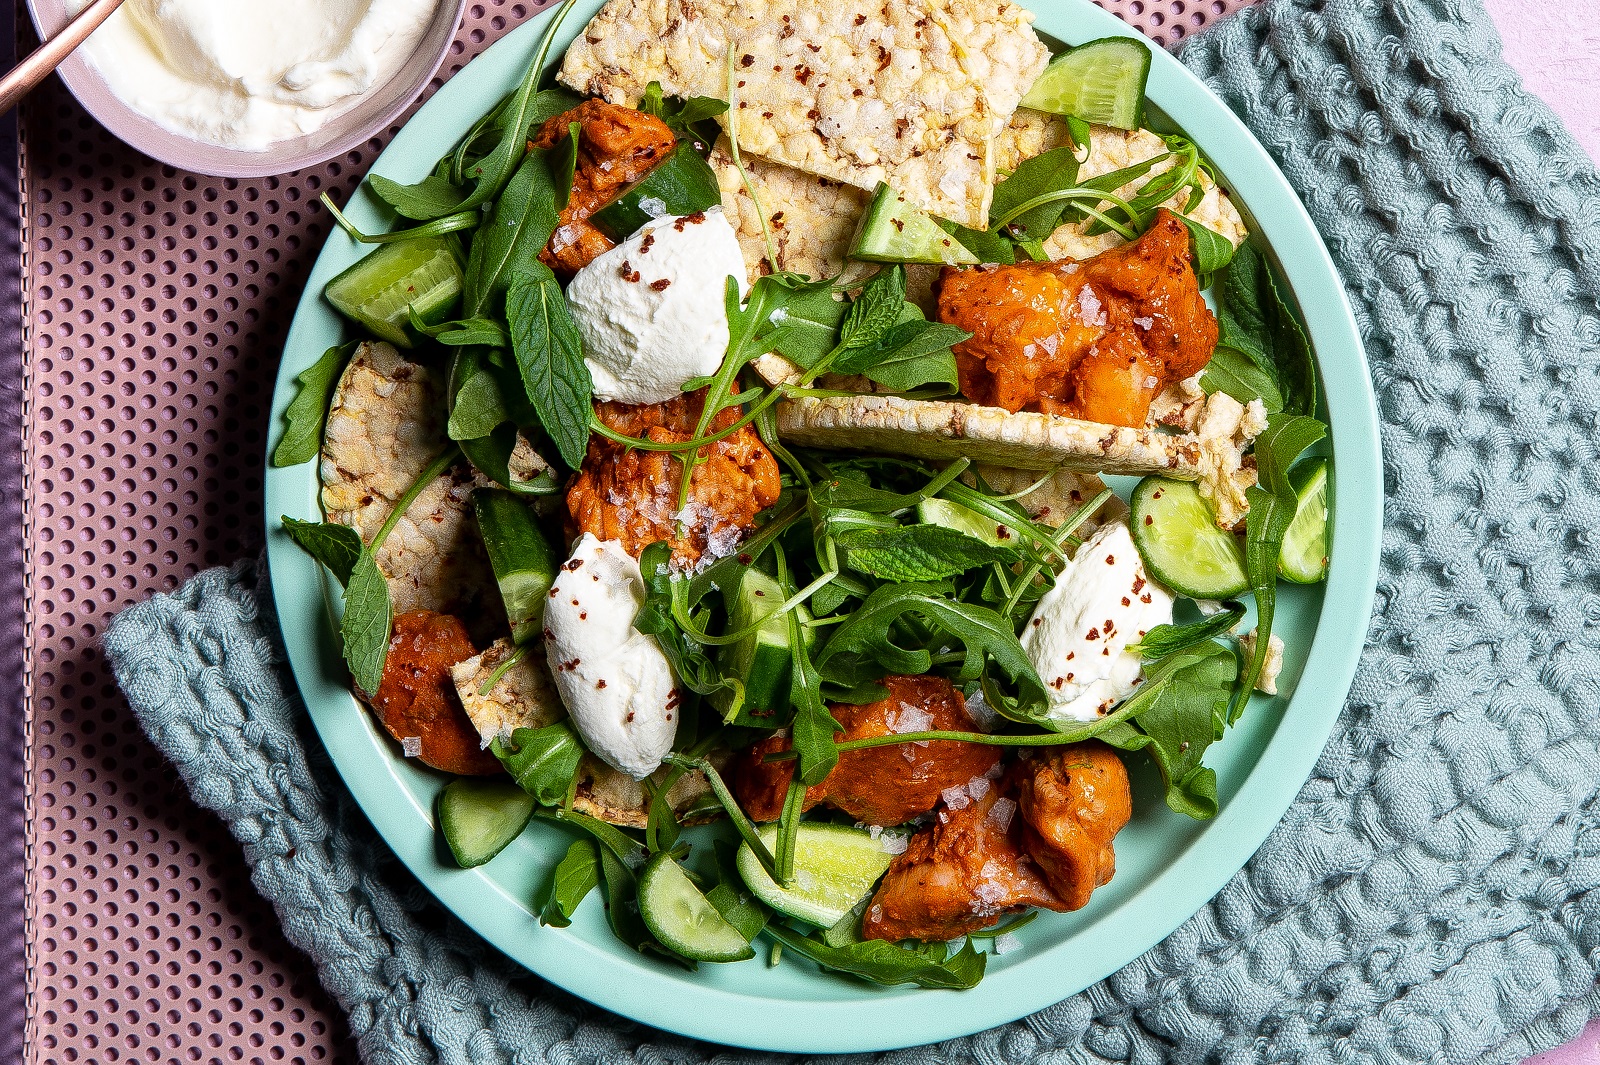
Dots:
pixel 673 483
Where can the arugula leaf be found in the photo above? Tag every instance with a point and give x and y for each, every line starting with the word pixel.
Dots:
pixel 549 355
pixel 1272 508
pixel 808 326
pixel 564 164
pixel 494 172
pixel 542 761
pixel 889 964
pixel 1176 717
pixel 1164 640
pixel 335 546
pixel 368 618
pixel 1240 377
pixel 1048 172
pixel 1212 250
pixel 813 727
pixel 864 648
pixel 691 663
pixel 874 312
pixel 574 877
pixel 307 413
pixel 622 905
pixel 432 197
pixel 467 332
pixel 1253 318
pixel 918 552
pixel 510 241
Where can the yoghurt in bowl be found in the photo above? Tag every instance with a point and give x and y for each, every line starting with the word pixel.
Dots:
pixel 253 87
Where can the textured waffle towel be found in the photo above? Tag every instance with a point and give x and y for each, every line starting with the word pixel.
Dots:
pixel 1431 894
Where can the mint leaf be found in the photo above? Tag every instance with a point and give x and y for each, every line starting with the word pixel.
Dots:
pixel 477 407
pixel 918 552
pixel 577 874
pixel 542 761
pixel 875 311
pixel 908 340
pixel 680 115
pixel 549 356
pixel 307 413
pixel 1253 318
pixel 368 617
pixel 432 197
pixel 335 546
pixel 808 317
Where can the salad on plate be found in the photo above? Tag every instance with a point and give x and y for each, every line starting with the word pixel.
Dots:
pixel 723 440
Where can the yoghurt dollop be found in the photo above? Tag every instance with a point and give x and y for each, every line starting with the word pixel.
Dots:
pixel 250 73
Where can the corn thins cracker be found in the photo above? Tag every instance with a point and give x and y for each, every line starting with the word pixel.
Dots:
pixel 912 92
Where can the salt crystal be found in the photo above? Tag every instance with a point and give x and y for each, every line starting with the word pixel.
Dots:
pixel 653 206
pixel 412 746
pixel 977 787
pixel 1001 813
pixel 981 712
pixel 779 316
pixel 1006 942
pixel 1050 343
pixel 909 719
pixel 955 797
pixel 1144 323
pixel 874 831
pixel 1090 309
pixel 893 843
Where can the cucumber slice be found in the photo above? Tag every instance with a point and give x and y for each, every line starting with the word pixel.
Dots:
pixel 424 274
pixel 523 563
pixel 680 184
pixel 965 520
pixel 1305 545
pixel 1102 81
pixel 1178 538
pixel 893 231
pixel 835 867
pixel 680 916
pixel 763 659
pixel 479 817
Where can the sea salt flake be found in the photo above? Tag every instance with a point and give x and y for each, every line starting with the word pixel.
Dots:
pixel 1090 310
pixel 653 206
pixel 955 797
pixel 893 842
pixel 412 746
pixel 978 787
pixel 981 713
pixel 1001 812
pixel 1144 323
pixel 909 719
pixel 1006 942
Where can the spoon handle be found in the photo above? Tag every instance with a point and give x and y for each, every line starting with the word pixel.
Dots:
pixel 31 71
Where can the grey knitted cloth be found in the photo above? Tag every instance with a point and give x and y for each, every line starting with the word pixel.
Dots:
pixel 1431 894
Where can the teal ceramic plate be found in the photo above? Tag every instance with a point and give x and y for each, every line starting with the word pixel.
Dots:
pixel 1167 865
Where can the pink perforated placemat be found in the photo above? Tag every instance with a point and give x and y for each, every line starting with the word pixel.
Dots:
pixel 157 304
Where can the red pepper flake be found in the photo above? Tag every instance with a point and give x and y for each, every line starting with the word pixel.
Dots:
pixel 748 60
pixel 802 73
pixel 1111 560
pixel 1058 682
pixel 554 591
pixel 629 718
pixel 1070 676
pixel 1037 622
pixel 1071 655
pixel 1138 583
pixel 689 220
pixel 1126 601
pixel 600 683
pixel 1157 494
pixel 1092 634
pixel 583 615
pixel 861 20
pixel 574 602
pixel 644 245
pixel 661 285
pixel 548 634
pixel 1145 598
pixel 745 559
pixel 1148 520
pixel 574 565
pixel 628 273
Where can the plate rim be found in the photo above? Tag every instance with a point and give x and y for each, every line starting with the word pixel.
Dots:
pixel 854 1025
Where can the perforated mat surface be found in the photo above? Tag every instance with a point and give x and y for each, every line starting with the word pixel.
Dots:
pixel 157 304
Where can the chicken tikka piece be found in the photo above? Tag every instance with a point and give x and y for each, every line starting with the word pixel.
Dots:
pixel 631 495
pixel 877 785
pixel 417 701
pixel 1042 838
pixel 1095 340
pixel 616 147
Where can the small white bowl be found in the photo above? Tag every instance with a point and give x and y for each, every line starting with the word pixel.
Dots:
pixel 356 126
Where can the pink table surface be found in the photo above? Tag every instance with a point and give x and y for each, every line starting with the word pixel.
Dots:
pixel 1555 46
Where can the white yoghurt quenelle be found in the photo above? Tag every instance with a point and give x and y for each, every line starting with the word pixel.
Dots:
pixel 615 682
pixel 249 73
pixel 651 311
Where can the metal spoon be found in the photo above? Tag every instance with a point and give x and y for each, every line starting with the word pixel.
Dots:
pixel 34 69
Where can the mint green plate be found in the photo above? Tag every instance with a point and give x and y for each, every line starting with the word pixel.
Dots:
pixel 1167 865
